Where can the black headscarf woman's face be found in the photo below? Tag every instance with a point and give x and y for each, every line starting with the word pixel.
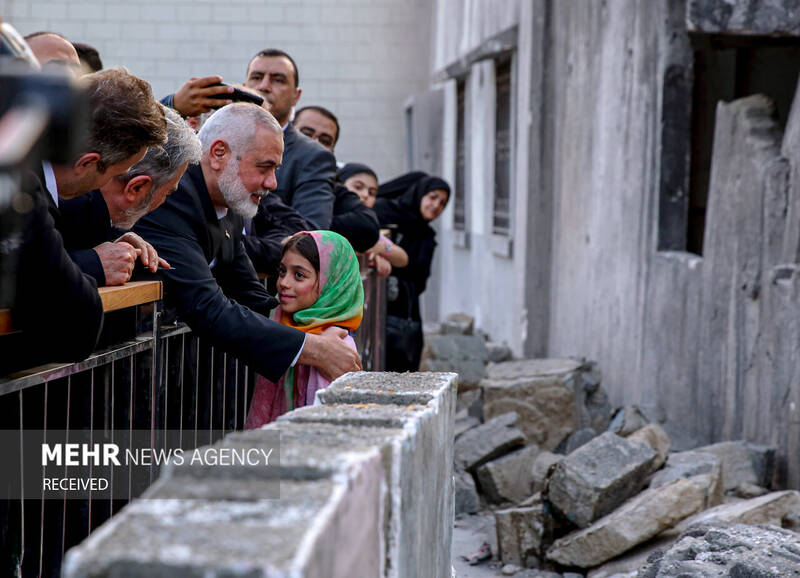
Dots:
pixel 433 203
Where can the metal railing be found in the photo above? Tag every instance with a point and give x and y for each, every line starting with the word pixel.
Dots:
pixel 145 376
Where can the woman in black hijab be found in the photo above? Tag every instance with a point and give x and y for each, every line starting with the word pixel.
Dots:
pixel 410 202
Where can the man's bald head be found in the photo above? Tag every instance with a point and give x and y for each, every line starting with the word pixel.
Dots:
pixel 51 47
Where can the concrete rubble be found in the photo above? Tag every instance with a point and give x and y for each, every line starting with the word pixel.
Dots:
pixel 599 476
pixel 465 355
pixel 488 441
pixel 743 463
pixel 636 521
pixel 508 479
pixel 720 549
pixel 576 486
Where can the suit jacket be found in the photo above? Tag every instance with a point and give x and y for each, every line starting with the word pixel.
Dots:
pixel 84 224
pixel 306 178
pixel 265 234
pixel 225 303
pixel 354 221
pixel 57 307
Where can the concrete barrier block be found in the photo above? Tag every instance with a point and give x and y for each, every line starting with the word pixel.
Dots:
pixel 421 485
pixel 599 476
pixel 389 388
pixel 307 533
pixel 366 490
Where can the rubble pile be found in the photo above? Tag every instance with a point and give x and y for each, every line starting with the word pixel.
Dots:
pixel 577 489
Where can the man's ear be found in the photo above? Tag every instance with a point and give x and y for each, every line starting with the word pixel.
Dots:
pixel 137 189
pixel 86 162
pixel 218 154
pixel 297 96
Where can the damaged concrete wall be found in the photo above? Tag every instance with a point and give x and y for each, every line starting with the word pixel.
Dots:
pixel 600 154
pixel 706 345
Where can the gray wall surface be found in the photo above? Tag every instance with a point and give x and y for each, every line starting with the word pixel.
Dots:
pixel 706 345
pixel 360 58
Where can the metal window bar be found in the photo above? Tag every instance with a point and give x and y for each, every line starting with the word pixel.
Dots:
pixel 501 218
pixel 459 195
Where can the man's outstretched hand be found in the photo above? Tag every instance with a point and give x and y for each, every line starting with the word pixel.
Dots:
pixel 330 353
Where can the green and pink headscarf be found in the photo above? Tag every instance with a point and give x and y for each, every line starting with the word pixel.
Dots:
pixel 341 292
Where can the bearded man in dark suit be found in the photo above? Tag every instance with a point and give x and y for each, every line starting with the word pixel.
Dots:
pixel 213 286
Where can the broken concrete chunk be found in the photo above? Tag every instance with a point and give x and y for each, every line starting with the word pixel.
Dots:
pixel 596 478
pixel 597 409
pixel 541 467
pixel 654 436
pixel 465 355
pixel 488 441
pixel 743 462
pixel 627 565
pixel 508 479
pixel 635 522
pixel 467 500
pixel 747 491
pixel 498 352
pixel 685 464
pixel 769 509
pixel 520 534
pixel 541 391
pixel 576 440
pixel 458 324
pixel 627 420
pixel 729 550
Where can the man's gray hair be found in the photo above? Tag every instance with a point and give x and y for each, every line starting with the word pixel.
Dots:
pixel 236 124
pixel 160 163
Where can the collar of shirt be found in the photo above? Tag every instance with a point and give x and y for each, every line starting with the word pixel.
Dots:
pixel 221 212
pixel 50 181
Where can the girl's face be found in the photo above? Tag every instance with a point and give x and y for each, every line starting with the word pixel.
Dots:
pixel 298 282
pixel 365 186
pixel 433 203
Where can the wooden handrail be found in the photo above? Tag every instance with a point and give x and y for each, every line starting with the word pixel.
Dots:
pixel 5 322
pixel 131 294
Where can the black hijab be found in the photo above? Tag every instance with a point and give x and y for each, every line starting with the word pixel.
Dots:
pixel 399 202
pixel 351 169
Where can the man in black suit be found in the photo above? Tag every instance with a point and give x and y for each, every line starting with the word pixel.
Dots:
pixel 307 175
pixel 57 309
pixel 214 287
pixel 93 224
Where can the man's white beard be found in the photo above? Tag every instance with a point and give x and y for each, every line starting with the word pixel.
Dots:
pixel 236 195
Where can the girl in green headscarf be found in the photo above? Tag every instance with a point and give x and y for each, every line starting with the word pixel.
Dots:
pixel 319 286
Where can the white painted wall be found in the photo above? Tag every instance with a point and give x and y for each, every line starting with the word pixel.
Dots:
pixel 360 58
pixel 476 279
